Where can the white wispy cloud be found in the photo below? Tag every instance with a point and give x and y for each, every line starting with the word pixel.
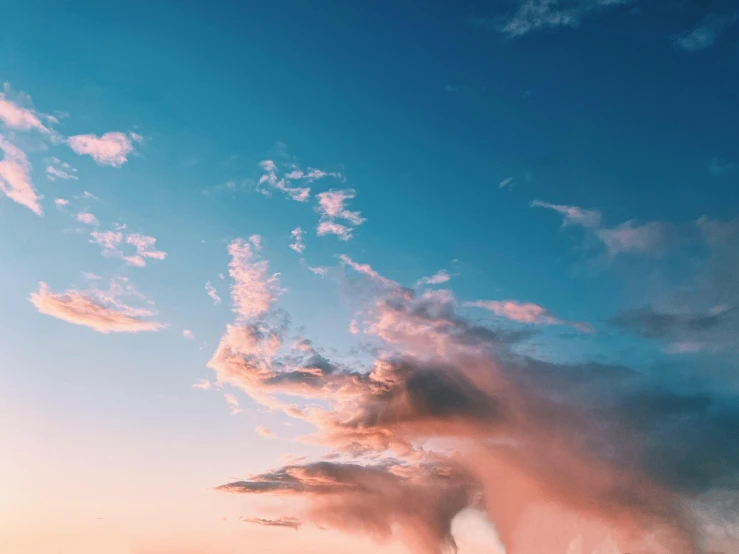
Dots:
pixel 298 245
pixel 15 177
pixel 211 291
pixel 705 33
pixel 441 276
pixel 332 206
pixel 57 169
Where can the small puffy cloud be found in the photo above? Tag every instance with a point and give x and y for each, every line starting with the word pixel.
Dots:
pixel 109 149
pixel 705 33
pixel 233 403
pixel 57 169
pixel 437 278
pixel 322 271
pixel 263 431
pixel 102 311
pixel 15 179
pixel 288 177
pixel 298 245
pixel 526 312
pixel 61 202
pixel 202 384
pixel 507 182
pixel 188 334
pixel 211 291
pixel 90 276
pixel 87 218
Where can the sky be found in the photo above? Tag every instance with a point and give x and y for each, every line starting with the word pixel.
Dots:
pixel 422 277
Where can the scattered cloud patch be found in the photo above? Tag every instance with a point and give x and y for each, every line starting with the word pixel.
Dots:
pixel 297 235
pixel 233 403
pixel 322 271
pixel 57 169
pixel 264 432
pixel 572 215
pixel 286 522
pixel 109 242
pixel 332 206
pixel 211 291
pixel 19 118
pixel 188 334
pixel 254 289
pixel 145 249
pixel 61 202
pixel 15 179
pixel 202 384
pixel 110 149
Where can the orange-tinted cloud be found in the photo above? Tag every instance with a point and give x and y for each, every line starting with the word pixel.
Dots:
pixel 98 310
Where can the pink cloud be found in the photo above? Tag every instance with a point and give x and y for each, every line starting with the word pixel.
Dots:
pixel 109 149
pixel 333 228
pixel 332 206
pixel 202 384
pixel 264 432
pixel 15 180
pixel 188 334
pixel 101 311
pixel 366 269
pixel 145 247
pixel 211 291
pixel 649 238
pixel 109 242
pixel 19 118
pixel 233 404
pixel 87 218
pixel 572 215
pixel 298 245
pixel 525 312
pixel 58 169
pixel 254 290
pixel 322 271
pixel 437 278
pixel 60 202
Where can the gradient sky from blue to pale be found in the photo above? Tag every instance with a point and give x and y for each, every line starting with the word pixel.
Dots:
pixel 425 109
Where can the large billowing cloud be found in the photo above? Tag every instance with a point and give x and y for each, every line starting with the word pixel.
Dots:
pixel 15 180
pixel 448 415
pixel 102 311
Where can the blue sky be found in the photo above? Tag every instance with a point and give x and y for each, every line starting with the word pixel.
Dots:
pixel 569 166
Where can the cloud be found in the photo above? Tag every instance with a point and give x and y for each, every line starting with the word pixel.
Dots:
pixel 109 242
pixel 705 33
pixel 212 292
pixel 109 149
pixel 298 245
pixel 572 215
pixel 717 169
pixel 332 206
pixel 102 311
pixel 60 202
pixel 58 169
pixel 507 182
pixel 264 432
pixel 145 249
pixel 202 384
pixel 535 15
pixel 288 522
pixel 437 278
pixel 254 290
pixel 87 218
pixel 188 334
pixel 15 180
pixel 548 450
pixel 526 313
pixel 284 173
pixel 366 269
pixel 19 118
pixel 627 238
pixel 322 271
pixel 372 499
pixel 233 403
